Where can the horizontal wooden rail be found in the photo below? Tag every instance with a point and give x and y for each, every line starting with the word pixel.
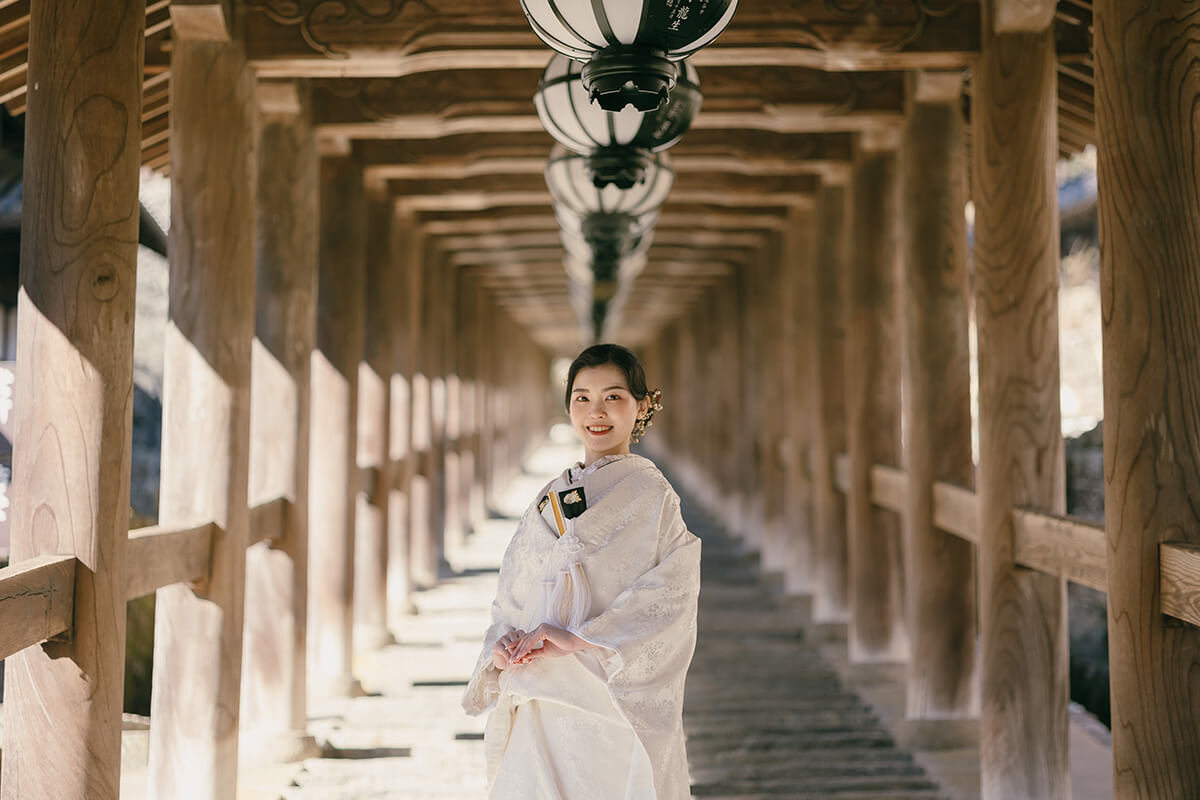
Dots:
pixel 1179 580
pixel 1069 547
pixel 268 521
pixel 158 556
pixel 37 601
pixel 956 511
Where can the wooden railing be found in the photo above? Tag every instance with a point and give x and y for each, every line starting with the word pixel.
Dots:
pixel 37 595
pixel 1069 547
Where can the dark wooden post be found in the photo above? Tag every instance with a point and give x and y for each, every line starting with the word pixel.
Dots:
pixel 1023 715
pixel 775 358
pixel 831 601
pixel 274 673
pixel 937 408
pixel 206 417
pixel 334 478
pixel 74 396
pixel 382 336
pixel 877 630
pixel 800 386
pixel 1149 258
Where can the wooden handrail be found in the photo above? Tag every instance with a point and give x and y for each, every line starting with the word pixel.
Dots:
pixel 268 521
pixel 1179 580
pixel 1069 547
pixel 158 556
pixel 37 601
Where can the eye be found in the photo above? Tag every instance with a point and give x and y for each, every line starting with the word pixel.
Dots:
pixel 581 398
pixel 614 397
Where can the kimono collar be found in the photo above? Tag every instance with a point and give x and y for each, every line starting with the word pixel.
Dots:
pixel 579 471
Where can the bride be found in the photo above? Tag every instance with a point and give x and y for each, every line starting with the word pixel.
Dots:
pixel 594 621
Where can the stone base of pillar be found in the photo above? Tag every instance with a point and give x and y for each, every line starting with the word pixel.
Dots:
pixel 276 747
pixel 369 638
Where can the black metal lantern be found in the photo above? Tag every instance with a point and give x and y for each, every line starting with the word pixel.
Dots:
pixel 630 46
pixel 617 143
pixel 574 192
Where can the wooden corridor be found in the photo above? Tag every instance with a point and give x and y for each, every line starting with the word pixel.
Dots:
pixel 367 294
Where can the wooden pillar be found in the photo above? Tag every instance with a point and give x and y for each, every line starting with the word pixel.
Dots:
pixel 801 385
pixel 775 359
pixel 274 672
pixel 831 599
pixel 74 398
pixel 937 409
pixel 399 556
pixel 334 476
pixel 206 418
pixel 1149 258
pixel 383 286
pixel 1023 715
pixel 877 631
pixel 422 547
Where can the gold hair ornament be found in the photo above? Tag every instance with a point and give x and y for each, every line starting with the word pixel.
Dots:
pixel 645 421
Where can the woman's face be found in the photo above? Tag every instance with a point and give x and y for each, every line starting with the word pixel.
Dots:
pixel 603 410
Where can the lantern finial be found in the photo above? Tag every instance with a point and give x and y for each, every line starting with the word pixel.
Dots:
pixel 622 75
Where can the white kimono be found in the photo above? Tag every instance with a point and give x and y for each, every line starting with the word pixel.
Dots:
pixel 605 723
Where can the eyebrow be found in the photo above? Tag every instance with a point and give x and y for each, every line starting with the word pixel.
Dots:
pixel 605 389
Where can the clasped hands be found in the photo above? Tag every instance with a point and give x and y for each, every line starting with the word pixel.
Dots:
pixel 545 641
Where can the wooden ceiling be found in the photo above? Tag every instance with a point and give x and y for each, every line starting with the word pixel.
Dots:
pixel 435 97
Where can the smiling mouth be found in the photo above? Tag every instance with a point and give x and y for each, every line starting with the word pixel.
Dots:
pixel 599 429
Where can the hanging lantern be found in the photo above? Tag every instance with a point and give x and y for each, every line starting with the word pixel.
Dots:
pixel 617 143
pixel 630 46
pixel 574 192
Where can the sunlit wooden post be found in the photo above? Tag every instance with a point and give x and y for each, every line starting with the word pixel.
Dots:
pixel 831 601
pixel 400 451
pixel 334 476
pixel 422 548
pixel 1023 715
pixel 800 386
pixel 1149 258
pixel 206 417
pixel 274 670
pixel 451 423
pixel 382 336
pixel 74 399
pixel 877 630
pixel 940 567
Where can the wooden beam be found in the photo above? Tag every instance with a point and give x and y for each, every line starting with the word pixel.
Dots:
pixel 206 403
pixel 71 454
pixel 1057 545
pixel 160 556
pixel 1023 749
pixel 37 602
pixel 1150 305
pixel 1179 584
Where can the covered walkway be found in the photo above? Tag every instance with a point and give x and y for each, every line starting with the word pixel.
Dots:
pixel 375 266
pixel 773 709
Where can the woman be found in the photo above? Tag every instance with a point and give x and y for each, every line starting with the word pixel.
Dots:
pixel 594 622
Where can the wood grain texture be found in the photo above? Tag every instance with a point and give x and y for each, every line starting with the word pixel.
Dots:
pixel 1023 749
pixel 37 602
pixel 206 419
pixel 940 567
pixel 159 556
pixel 74 398
pixel 1179 581
pixel 872 367
pixel 274 669
pixel 956 510
pixel 333 463
pixel 1064 546
pixel 1148 170
pixel 830 600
